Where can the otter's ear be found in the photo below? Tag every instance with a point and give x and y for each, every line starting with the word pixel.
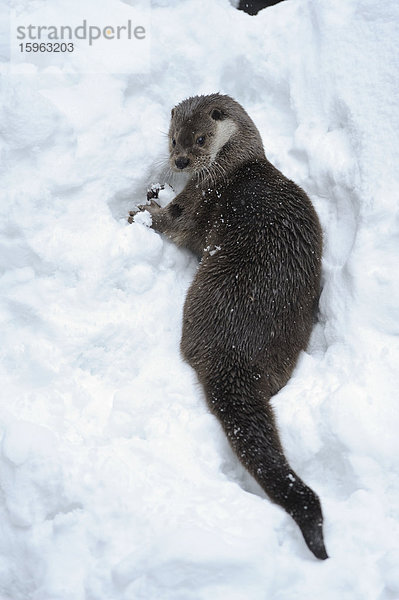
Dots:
pixel 172 113
pixel 217 114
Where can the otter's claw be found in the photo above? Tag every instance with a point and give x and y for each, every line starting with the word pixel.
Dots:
pixel 151 205
pixel 154 190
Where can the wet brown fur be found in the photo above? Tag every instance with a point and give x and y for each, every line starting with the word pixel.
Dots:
pixel 249 311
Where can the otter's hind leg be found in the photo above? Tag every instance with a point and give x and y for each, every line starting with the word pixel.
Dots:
pixel 236 396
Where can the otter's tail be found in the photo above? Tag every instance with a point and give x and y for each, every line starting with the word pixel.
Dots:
pixel 238 398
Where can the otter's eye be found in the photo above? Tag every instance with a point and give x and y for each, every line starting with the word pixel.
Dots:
pixel 200 141
pixel 173 142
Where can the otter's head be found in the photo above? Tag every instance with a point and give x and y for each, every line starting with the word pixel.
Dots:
pixel 205 132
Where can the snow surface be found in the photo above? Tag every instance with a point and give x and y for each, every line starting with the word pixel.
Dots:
pixel 116 482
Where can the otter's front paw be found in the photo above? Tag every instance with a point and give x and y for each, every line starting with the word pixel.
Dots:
pixel 154 190
pixel 151 207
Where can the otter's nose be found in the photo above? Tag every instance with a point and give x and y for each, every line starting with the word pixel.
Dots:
pixel 181 163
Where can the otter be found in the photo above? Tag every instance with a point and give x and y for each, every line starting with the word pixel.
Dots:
pixel 250 309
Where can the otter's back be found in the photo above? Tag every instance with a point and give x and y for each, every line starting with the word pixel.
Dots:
pixel 259 277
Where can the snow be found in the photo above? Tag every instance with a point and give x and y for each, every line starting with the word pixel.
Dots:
pixel 116 482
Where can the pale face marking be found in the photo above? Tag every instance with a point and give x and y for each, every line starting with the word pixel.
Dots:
pixel 224 130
